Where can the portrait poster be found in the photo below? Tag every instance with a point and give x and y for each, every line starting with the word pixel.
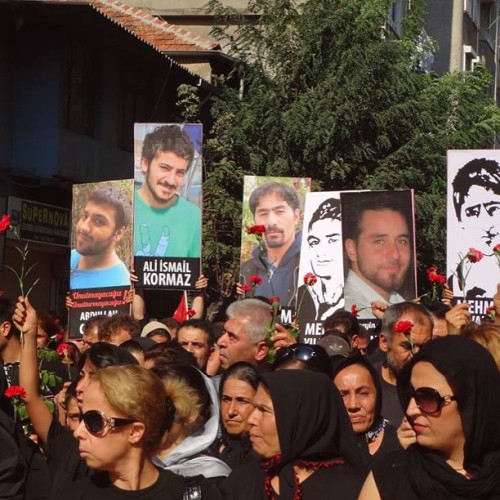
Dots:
pixel 378 231
pixel 168 205
pixel 473 222
pixel 321 255
pixel 269 263
pixel 101 251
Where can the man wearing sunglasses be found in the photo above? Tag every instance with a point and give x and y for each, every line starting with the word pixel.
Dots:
pixel 400 348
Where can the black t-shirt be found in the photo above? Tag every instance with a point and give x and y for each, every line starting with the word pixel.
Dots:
pixel 63 459
pixel 98 487
pixel 391 407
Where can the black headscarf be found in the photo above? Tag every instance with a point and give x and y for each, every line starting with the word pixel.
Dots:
pixel 361 360
pixel 312 424
pixel 473 376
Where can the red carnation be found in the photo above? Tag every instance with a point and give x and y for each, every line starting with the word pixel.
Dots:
pixel 190 313
pixel 434 277
pixel 64 349
pixel 355 310
pixel 15 391
pixel 310 279
pixel 274 300
pixel 496 250
pixel 474 255
pixel 246 287
pixel 257 229
pixel 255 279
pixel 403 327
pixel 4 223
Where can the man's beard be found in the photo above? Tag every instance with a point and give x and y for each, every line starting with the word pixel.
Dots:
pixel 393 365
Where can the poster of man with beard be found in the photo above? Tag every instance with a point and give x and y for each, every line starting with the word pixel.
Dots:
pixel 167 209
pixel 378 231
pixel 101 250
pixel 270 260
pixel 473 224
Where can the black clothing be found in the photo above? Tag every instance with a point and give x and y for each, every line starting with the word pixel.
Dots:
pixel 340 482
pixel 168 486
pixel 23 471
pixel 63 459
pixel 389 444
pixel 391 407
pixel 236 451
pixel 473 376
pixel 313 430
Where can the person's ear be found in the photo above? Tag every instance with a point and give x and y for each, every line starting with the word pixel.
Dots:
pixel 5 328
pixel 261 352
pixel 296 215
pixel 382 343
pixel 136 432
pixel 119 234
pixel 144 165
pixel 354 342
pixel 350 248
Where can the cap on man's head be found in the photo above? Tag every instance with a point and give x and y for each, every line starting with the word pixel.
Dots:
pixel 335 345
pixel 152 326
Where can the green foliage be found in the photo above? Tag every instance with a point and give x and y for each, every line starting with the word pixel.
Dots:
pixel 330 93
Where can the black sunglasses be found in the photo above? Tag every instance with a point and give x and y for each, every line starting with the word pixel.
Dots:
pixel 95 421
pixel 296 351
pixel 429 400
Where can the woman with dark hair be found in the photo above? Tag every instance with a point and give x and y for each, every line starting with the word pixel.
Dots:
pixel 300 430
pixel 184 449
pixel 450 394
pixel 237 390
pixel 360 388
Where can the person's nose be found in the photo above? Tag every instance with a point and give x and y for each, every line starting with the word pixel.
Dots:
pixel 392 250
pixel 222 342
pixel 252 419
pixel 232 409
pixel 412 410
pixel 352 402
pixel 80 431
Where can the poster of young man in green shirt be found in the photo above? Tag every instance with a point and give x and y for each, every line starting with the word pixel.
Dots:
pixel 167 201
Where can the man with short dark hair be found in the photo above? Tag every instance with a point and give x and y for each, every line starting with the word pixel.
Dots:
pixel 197 336
pixel 118 329
pixel 378 244
pixel 400 348
pixel 102 224
pixel 276 206
pixel 165 223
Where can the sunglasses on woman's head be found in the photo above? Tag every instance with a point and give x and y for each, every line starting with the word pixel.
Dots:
pixel 429 400
pixel 95 421
pixel 300 352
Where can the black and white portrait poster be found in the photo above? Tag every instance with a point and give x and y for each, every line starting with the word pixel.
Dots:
pixel 321 254
pixel 378 232
pixel 473 215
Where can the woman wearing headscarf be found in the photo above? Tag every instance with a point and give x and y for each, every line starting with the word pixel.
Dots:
pixel 360 388
pixel 300 429
pixel 450 393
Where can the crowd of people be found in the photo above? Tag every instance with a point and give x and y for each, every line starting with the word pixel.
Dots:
pixel 154 409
